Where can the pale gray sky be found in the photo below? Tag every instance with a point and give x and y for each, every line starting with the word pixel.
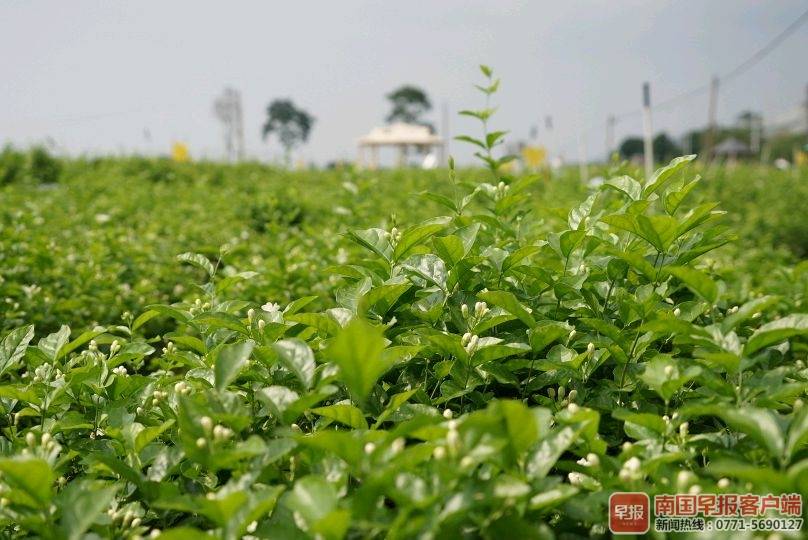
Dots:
pixel 94 74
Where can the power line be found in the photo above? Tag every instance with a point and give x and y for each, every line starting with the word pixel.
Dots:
pixel 741 68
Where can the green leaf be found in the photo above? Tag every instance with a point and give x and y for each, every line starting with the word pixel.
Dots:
pixel 313 498
pixel 546 333
pixel 797 433
pixel 296 356
pixel 696 281
pixel 198 260
pixel 357 350
pixel 666 174
pixel 81 503
pixel 31 477
pixel 507 301
pixel 541 460
pixel 343 413
pixel 376 240
pixel 492 138
pixel 775 331
pixel 219 319
pixel 13 346
pixel 148 434
pixel 674 199
pixel 229 362
pixel 383 297
pixel 416 235
pixel 626 185
pixel 52 345
pixel 663 375
pixel 472 140
pixel 761 425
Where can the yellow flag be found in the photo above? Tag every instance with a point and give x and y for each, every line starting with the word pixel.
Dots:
pixel 534 156
pixel 179 152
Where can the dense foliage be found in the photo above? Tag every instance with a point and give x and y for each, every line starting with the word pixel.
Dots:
pixel 496 371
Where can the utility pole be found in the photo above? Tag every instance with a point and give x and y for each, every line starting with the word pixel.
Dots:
pixel 551 139
pixel 610 122
pixel 227 109
pixel 712 113
pixel 754 135
pixel 444 133
pixel 239 125
pixel 583 159
pixel 648 131
pixel 806 109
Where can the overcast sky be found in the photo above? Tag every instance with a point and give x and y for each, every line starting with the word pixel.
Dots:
pixel 94 75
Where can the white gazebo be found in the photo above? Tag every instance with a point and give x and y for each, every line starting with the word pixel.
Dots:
pixel 398 135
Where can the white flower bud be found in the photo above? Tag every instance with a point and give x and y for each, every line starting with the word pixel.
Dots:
pixel 466 462
pixel 464 340
pixel 472 344
pixel 136 522
pixel 576 478
pixel 250 314
pixel 668 371
pixel 398 445
pixel 201 442
pixel 369 448
pixel 573 395
pixel 573 408
pixel 207 424
pixel 262 324
pixel 439 452
pixel 677 312
pixel 561 392
pixel 590 348
pixel 46 438
pixel 447 414
pixel 683 429
pixel 723 483
pixel 30 439
pixel 464 310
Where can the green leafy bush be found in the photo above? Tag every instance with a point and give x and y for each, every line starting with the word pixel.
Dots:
pixel 495 371
pixel 42 167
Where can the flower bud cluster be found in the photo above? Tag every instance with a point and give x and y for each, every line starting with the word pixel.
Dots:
pixel 470 342
pixel 182 388
pixel 120 371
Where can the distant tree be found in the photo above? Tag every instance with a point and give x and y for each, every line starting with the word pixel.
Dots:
pixel 747 118
pixel 631 147
pixel 665 149
pixel 409 104
pixel 288 123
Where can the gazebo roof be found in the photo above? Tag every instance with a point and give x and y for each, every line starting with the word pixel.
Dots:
pixel 731 146
pixel 400 133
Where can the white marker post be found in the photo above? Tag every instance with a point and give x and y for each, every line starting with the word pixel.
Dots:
pixel 648 132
